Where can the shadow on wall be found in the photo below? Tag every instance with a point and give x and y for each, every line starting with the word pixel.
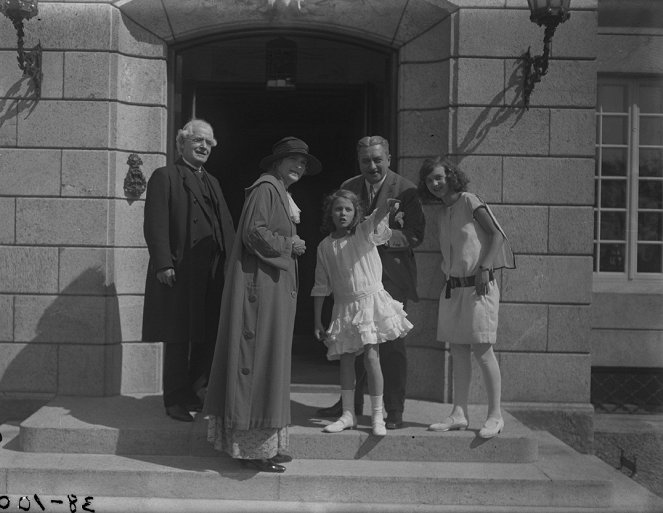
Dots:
pixel 15 103
pixel 74 348
pixel 496 114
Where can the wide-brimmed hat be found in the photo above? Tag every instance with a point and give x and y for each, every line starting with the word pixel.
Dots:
pixel 289 146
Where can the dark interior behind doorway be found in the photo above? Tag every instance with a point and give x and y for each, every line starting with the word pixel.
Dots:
pixel 247 121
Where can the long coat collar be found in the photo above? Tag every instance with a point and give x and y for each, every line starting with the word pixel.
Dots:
pixel 278 185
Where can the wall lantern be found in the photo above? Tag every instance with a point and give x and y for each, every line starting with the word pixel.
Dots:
pixel 29 62
pixel 281 63
pixel 549 13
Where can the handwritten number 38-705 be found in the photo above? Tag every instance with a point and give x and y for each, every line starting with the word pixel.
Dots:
pixel 24 503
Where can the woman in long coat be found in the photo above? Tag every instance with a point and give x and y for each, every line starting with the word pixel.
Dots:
pixel 248 396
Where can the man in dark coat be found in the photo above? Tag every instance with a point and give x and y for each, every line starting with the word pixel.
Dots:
pixel 374 186
pixel 188 230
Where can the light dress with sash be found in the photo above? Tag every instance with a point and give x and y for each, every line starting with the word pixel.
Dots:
pixel 465 317
pixel 364 312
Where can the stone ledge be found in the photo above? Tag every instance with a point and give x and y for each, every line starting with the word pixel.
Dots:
pixel 563 481
pixel 16 407
pixel 573 423
pixel 133 425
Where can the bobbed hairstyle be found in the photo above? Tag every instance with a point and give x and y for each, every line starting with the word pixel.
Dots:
pixel 328 225
pixel 456 179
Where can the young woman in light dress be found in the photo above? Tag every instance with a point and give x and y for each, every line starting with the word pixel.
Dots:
pixel 473 246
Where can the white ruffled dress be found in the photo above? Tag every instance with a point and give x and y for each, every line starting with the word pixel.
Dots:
pixel 364 312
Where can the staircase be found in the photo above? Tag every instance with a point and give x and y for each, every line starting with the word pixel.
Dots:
pixel 129 456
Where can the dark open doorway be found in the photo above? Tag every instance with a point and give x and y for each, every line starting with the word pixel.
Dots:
pixel 248 118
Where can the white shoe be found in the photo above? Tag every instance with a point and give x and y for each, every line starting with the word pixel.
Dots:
pixel 450 424
pixel 345 421
pixel 491 428
pixel 377 422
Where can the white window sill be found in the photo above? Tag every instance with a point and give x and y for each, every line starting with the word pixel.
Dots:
pixel 607 285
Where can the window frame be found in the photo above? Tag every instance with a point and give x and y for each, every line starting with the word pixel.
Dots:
pixel 630 280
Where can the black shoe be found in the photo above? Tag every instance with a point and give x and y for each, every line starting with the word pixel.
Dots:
pixel 179 412
pixel 263 465
pixel 193 401
pixel 336 410
pixel 281 458
pixel 394 420
pixel 196 406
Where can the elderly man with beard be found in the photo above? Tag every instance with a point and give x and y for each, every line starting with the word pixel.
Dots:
pixel 188 230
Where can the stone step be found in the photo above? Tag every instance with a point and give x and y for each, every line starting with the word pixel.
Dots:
pixel 138 425
pixel 562 480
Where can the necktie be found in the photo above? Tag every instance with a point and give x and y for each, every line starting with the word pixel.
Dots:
pixel 371 194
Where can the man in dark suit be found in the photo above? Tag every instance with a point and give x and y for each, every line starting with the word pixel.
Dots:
pixel 374 186
pixel 188 230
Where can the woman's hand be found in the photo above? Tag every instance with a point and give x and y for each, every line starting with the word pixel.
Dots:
pixel 319 332
pixel 298 246
pixel 481 281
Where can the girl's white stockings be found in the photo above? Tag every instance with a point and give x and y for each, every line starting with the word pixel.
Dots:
pixel 377 416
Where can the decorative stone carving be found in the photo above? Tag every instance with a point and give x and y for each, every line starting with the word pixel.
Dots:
pixel 134 183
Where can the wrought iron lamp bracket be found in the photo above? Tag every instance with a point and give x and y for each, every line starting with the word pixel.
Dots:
pixel 29 61
pixel 536 67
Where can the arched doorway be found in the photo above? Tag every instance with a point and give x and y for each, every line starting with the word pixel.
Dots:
pixel 413 46
pixel 337 92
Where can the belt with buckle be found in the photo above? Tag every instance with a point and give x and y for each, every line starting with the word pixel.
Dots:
pixel 454 282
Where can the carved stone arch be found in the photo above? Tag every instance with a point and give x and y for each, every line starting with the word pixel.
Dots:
pixel 389 22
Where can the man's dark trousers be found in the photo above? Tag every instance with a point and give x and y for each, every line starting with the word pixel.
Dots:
pixel 187 362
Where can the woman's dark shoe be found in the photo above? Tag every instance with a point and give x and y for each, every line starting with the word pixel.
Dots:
pixel 263 465
pixel 281 458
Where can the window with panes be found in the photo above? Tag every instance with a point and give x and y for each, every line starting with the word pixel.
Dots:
pixel 628 210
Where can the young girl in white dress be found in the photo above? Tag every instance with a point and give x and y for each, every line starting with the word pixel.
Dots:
pixel 364 314
pixel 473 245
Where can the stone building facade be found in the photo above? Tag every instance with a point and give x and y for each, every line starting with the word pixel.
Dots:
pixel 120 76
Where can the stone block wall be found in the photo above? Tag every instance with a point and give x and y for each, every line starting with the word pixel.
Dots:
pixel 535 167
pixel 72 256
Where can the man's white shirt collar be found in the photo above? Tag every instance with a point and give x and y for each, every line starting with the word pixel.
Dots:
pixel 376 186
pixel 191 165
